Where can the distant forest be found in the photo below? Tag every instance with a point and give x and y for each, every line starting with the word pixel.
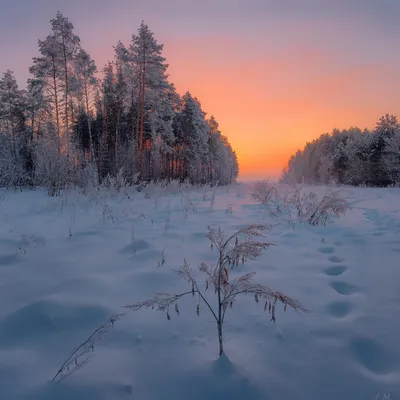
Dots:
pixel 73 121
pixel 351 157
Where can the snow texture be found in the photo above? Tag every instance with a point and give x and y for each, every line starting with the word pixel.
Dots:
pixel 67 264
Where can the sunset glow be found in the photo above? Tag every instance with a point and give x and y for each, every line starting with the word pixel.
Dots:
pixel 273 77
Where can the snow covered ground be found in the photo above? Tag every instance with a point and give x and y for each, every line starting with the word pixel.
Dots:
pixel 67 264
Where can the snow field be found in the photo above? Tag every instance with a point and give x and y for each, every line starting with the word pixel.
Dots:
pixel 67 264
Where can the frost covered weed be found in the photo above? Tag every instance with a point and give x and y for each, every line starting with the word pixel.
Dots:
pixel 317 209
pixel 133 241
pixel 229 210
pixel 245 244
pixel 212 200
pixel 295 205
pixel 27 241
pixel 82 354
pixel 71 221
pixel 163 260
pixel 108 214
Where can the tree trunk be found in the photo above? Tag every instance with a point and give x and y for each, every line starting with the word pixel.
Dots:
pixel 92 155
pixel 66 93
pixel 57 106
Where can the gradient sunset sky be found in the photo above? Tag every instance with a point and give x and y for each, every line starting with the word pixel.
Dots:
pixel 274 73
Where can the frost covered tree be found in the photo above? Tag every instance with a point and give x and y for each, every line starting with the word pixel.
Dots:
pixel 222 160
pixel 192 136
pixel 53 68
pixel 350 156
pixel 15 156
pixel 125 120
pixel 85 69
pixel 155 100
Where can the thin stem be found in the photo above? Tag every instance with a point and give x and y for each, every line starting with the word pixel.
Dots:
pixel 205 301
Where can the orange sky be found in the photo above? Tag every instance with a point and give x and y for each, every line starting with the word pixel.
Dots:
pixel 265 109
pixel 274 74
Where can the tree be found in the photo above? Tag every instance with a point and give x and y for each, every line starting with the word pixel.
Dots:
pixel 67 45
pixel 12 119
pixel 350 156
pixel 54 68
pixel 86 69
pixel 387 126
pixel 129 121
pixel 155 99
pixel 193 136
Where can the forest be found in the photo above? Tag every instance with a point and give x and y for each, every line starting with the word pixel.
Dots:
pixel 350 157
pixel 73 123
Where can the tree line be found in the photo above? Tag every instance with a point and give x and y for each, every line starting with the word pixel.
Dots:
pixel 351 156
pixel 68 121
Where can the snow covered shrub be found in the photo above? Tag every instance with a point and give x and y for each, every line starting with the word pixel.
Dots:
pixel 294 204
pixel 13 173
pixel 115 184
pixel 243 245
pixel 53 170
pixel 88 179
pixel 269 195
pixel 316 209
pixel 263 191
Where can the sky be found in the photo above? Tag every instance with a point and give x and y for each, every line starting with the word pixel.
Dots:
pixel 274 73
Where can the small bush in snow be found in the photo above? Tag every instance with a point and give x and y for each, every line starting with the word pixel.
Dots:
pixel 297 205
pixel 316 209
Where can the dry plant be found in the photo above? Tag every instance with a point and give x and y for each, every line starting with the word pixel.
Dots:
pixel 107 214
pixel 71 221
pixel 163 260
pixel 133 241
pixel 267 194
pixel 263 191
pixel 295 205
pixel 81 354
pixel 316 209
pixel 212 200
pixel 245 244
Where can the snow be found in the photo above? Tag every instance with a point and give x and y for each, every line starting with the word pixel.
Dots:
pixel 67 264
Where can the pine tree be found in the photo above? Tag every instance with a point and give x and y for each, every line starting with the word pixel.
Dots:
pixel 194 132
pixel 85 69
pixel 53 68
pixel 155 100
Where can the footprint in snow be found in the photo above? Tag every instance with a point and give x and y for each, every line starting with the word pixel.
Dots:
pixel 335 270
pixel 335 259
pixel 372 355
pixel 9 259
pixel 326 250
pixel 343 288
pixel 339 309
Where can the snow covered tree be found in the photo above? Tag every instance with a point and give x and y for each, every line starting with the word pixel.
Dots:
pixel 15 158
pixel 85 69
pixel 350 156
pixel 155 100
pixel 387 126
pixel 130 120
pixel 12 106
pixel 193 136
pixel 54 68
